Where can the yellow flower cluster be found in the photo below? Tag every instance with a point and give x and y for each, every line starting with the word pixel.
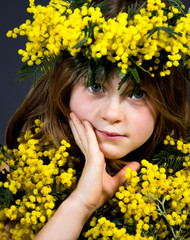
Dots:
pixel 157 195
pixel 142 38
pixel 36 177
pixel 108 230
pixel 51 31
pixel 1 158
pixel 182 146
pixel 153 205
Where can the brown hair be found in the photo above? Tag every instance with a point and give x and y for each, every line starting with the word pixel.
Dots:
pixel 49 101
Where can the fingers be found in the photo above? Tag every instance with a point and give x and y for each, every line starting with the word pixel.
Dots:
pixel 78 131
pixel 84 135
pixel 134 166
pixel 85 138
pixel 93 147
pixel 120 176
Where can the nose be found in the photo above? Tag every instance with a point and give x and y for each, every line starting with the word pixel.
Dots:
pixel 112 110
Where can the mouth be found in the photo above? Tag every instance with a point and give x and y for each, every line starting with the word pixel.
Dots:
pixel 110 135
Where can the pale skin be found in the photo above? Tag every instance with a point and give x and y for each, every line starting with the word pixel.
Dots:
pixel 102 128
pixel 96 131
pixel 95 187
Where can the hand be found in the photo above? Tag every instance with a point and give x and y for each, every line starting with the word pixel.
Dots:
pixel 8 226
pixel 95 186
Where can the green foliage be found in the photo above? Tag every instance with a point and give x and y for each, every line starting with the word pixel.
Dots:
pixel 81 66
pixel 132 77
pixel 170 158
pixel 76 3
pixel 98 70
pixel 81 43
pixel 79 3
pixel 3 155
pixel 89 33
pixel 37 71
pixel 177 4
pixel 169 31
pixel 133 9
pixel 134 72
pixel 127 77
pixel 6 197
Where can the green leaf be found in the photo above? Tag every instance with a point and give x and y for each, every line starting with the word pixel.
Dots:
pixel 80 75
pixel 4 152
pixel 170 31
pixel 169 158
pixel 102 4
pixel 80 43
pixel 132 10
pixel 77 4
pixel 121 75
pixel 99 72
pixel 37 71
pixel 89 78
pixel 91 26
pixel 6 197
pixel 177 4
pixel 127 77
pixel 80 64
pixel 109 69
pixel 134 72
pixel 26 72
pixel 135 87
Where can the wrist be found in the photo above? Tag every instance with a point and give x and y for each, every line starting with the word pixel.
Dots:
pixel 67 222
pixel 76 202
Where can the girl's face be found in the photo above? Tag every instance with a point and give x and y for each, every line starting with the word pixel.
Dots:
pixel 121 123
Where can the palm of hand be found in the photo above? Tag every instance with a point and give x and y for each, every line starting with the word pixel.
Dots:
pixel 95 186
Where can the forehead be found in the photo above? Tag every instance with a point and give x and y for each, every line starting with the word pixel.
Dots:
pixel 114 81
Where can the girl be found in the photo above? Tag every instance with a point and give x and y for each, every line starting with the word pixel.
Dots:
pixel 110 129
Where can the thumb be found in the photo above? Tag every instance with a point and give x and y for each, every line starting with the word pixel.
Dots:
pixel 120 176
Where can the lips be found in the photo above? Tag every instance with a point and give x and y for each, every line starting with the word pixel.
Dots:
pixel 111 135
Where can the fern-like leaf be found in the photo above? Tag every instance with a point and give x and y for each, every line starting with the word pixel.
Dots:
pixel 37 71
pixel 177 4
pixel 76 4
pixel 133 9
pixel 127 77
pixel 170 31
pixel 170 158
pixel 80 43
pixel 79 3
pixel 6 197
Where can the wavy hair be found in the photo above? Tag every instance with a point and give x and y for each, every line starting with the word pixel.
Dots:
pixel 49 100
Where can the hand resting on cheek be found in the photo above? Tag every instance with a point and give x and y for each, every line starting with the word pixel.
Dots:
pixel 95 186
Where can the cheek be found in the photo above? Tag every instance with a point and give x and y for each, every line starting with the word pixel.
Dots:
pixel 145 122
pixel 81 107
pixel 148 124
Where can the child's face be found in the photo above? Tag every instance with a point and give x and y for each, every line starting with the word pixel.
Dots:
pixel 122 124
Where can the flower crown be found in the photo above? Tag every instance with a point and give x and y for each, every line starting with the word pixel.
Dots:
pixel 157 36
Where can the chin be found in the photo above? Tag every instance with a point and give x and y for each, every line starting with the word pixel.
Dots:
pixel 113 155
pixel 114 152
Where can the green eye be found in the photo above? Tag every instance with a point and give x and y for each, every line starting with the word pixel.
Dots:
pixel 95 87
pixel 139 94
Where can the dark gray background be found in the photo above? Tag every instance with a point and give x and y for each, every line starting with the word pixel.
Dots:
pixel 12 14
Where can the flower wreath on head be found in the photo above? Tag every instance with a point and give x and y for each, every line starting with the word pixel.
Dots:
pixel 156 202
pixel 157 35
